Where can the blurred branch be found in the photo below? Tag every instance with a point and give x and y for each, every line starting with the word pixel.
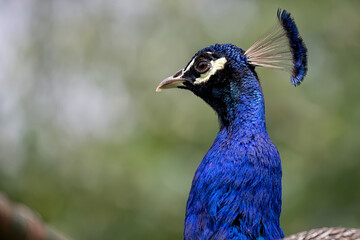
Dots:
pixel 19 222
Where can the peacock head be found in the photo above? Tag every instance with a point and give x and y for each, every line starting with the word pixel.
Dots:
pixel 213 70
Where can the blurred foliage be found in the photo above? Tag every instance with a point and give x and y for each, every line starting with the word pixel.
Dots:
pixel 87 142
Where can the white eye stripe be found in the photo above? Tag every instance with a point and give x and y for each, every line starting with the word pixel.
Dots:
pixel 216 65
pixel 190 65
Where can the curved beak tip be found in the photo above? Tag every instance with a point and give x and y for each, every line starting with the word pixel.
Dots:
pixel 171 82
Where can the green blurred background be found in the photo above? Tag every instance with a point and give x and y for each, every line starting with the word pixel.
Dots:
pixel 86 142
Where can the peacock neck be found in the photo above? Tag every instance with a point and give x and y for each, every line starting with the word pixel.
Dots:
pixel 244 111
pixel 237 186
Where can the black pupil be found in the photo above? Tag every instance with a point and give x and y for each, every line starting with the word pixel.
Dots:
pixel 202 66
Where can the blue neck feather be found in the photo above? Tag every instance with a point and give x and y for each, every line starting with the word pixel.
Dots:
pixel 236 191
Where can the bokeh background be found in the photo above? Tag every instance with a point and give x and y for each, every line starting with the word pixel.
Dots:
pixel 87 143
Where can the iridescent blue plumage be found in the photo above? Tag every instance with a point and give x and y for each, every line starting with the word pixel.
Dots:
pixel 236 191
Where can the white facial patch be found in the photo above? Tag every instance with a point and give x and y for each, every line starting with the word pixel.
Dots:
pixel 216 65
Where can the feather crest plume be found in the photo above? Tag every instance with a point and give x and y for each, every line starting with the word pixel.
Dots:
pixel 282 48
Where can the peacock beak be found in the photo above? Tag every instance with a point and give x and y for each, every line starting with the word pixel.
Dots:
pixel 172 82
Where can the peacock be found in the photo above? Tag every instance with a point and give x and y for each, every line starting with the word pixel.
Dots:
pixel 236 190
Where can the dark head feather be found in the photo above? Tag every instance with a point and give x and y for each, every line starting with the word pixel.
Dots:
pixel 298 48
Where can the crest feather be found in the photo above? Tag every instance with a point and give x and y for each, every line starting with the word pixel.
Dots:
pixel 282 48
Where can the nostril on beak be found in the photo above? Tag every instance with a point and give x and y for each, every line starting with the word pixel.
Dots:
pixel 178 73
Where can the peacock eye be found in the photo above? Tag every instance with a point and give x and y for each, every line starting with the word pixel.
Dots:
pixel 202 66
